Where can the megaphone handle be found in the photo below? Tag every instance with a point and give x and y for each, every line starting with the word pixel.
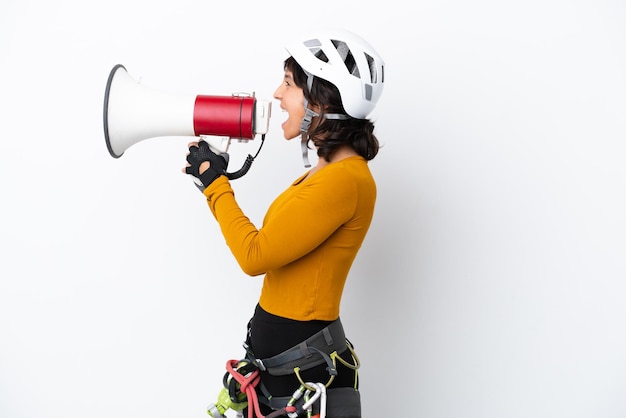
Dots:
pixel 239 173
pixel 218 144
pixel 197 182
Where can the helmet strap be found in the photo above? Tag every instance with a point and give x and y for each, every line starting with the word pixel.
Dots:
pixel 306 122
pixel 304 132
pixel 305 150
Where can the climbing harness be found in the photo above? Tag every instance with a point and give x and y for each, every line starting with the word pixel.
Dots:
pixel 243 387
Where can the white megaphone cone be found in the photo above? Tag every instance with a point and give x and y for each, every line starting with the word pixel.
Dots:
pixel 133 112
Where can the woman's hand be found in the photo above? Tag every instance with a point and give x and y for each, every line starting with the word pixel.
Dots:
pixel 204 164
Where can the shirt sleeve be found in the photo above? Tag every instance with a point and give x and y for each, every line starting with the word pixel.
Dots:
pixel 296 223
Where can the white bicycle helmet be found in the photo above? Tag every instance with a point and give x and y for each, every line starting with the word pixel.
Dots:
pixel 347 61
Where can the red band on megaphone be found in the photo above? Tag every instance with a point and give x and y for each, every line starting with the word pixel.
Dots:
pixel 230 116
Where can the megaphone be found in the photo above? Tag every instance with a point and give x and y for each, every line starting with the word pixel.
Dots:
pixel 134 112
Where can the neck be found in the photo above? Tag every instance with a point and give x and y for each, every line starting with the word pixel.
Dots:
pixel 340 154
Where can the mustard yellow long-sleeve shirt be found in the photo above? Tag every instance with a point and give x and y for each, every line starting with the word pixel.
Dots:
pixel 310 236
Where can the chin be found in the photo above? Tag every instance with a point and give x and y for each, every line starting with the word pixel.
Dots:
pixel 290 129
pixel 290 135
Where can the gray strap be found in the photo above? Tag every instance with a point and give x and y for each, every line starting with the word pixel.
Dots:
pixel 304 132
pixel 305 150
pixel 306 122
pixel 327 337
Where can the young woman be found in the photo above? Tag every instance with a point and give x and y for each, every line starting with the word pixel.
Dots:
pixel 312 232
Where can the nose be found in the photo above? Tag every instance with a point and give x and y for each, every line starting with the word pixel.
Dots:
pixel 278 93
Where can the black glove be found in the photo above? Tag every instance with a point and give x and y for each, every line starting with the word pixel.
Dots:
pixel 201 153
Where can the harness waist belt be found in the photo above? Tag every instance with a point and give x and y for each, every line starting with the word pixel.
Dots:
pixel 314 350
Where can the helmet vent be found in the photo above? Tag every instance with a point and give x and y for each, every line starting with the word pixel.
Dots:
pixel 319 54
pixel 368 92
pixel 347 57
pixel 314 47
pixel 371 63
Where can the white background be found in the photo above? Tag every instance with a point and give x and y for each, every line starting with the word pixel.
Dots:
pixel 491 284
